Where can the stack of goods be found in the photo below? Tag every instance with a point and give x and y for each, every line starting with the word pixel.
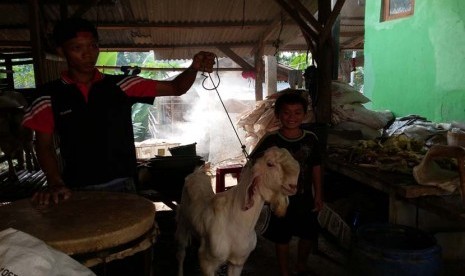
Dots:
pixel 348 112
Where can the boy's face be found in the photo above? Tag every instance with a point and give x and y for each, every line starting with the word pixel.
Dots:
pixel 291 116
pixel 81 52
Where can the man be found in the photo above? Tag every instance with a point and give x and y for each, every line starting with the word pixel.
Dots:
pixel 90 113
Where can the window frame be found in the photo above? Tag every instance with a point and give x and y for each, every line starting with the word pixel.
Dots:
pixel 386 11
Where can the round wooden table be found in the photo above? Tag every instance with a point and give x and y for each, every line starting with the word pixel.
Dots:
pixel 94 227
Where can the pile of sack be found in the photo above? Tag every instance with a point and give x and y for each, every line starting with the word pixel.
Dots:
pixel 349 112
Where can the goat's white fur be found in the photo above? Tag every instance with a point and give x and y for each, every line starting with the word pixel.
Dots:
pixel 225 222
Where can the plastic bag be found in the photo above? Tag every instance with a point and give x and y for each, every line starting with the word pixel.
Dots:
pixel 23 255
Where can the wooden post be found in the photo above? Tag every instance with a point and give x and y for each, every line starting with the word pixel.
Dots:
pixel 271 78
pixel 324 63
pixel 38 55
pixel 259 74
pixel 9 72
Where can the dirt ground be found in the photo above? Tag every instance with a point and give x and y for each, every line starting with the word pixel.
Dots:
pixel 330 260
pixel 262 261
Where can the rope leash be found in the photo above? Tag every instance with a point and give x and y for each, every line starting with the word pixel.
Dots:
pixel 215 87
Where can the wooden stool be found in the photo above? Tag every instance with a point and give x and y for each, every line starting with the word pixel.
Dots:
pixel 222 171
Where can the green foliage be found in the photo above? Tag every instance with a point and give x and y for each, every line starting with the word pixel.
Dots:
pixel 296 60
pixel 140 120
pixel 24 76
pixel 107 59
pixel 141 112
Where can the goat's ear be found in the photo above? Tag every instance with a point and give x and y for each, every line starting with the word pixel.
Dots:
pixel 251 189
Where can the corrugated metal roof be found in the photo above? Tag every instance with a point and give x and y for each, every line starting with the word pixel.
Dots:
pixel 177 29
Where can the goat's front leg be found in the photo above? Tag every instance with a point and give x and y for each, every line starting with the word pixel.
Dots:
pixel 234 270
pixel 208 263
pixel 181 255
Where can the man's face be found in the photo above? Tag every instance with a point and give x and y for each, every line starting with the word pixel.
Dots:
pixel 81 52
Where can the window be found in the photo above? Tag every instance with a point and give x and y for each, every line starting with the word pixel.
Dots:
pixel 16 73
pixel 393 9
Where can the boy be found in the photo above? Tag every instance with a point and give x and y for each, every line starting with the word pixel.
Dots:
pixel 301 215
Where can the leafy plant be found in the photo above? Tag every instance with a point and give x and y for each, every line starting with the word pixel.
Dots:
pixel 296 60
pixel 108 59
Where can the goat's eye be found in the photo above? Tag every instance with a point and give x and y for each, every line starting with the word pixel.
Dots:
pixel 269 164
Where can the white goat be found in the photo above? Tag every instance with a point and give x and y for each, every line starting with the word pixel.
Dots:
pixel 225 222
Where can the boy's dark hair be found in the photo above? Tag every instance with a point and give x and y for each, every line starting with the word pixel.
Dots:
pixel 69 28
pixel 290 98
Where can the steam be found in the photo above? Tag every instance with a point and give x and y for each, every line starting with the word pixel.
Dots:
pixel 206 122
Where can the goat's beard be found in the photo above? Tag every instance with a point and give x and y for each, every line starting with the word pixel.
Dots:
pixel 279 205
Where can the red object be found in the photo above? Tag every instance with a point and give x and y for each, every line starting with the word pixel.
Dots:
pixel 222 171
pixel 248 74
pixel 354 65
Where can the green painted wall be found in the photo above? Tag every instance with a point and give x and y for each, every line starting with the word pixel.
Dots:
pixel 416 65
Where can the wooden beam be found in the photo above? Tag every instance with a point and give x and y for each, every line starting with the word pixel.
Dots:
pixel 351 34
pixel 12 46
pixel 331 19
pixel 237 59
pixel 83 8
pixel 23 55
pixel 355 18
pixel 177 25
pixel 306 30
pixel 309 34
pixel 308 15
pixel 353 42
pixel 15 43
pixel 183 25
pixel 164 69
pixel 148 47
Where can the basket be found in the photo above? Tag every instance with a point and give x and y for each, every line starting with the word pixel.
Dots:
pixel 185 150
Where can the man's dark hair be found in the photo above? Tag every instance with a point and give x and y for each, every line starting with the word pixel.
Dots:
pixel 69 28
pixel 290 98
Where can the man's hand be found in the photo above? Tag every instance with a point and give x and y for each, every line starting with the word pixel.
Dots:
pixel 203 61
pixel 56 193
